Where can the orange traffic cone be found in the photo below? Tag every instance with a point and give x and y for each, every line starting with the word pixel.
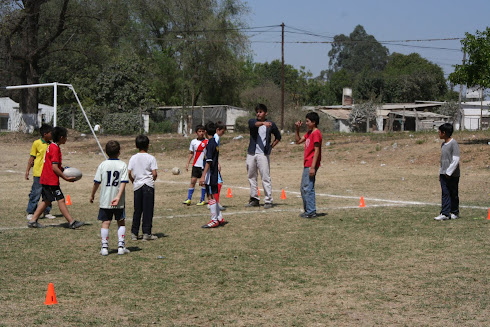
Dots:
pixel 283 195
pixel 362 204
pixel 488 214
pixel 50 296
pixel 68 200
pixel 228 195
pixel 258 191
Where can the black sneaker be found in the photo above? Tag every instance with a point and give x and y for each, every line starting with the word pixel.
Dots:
pixel 75 224
pixel 34 224
pixel 304 215
pixel 253 203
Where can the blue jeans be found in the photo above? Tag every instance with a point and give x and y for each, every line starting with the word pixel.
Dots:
pixel 34 196
pixel 144 202
pixel 450 197
pixel 308 191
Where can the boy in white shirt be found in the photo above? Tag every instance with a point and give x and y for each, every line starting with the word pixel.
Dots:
pixel 197 150
pixel 143 173
pixel 112 174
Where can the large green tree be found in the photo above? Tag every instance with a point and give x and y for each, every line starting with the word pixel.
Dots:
pixel 357 52
pixel 476 70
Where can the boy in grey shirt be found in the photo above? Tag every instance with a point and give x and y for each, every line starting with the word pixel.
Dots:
pixel 449 174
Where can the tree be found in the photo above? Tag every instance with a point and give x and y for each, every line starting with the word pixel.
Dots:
pixel 476 71
pixel 357 52
pixel 361 114
pixel 26 34
pixel 410 77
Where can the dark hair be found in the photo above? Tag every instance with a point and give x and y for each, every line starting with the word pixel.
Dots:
pixel 220 125
pixel 45 129
pixel 112 149
pixel 447 129
pixel 261 106
pixel 198 127
pixel 142 142
pixel 313 116
pixel 210 128
pixel 58 132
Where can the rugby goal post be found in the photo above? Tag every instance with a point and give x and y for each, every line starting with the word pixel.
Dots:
pixel 55 103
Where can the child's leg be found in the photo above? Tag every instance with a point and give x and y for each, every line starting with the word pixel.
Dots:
pixel 263 165
pixel 138 210
pixel 39 211
pixel 64 210
pixel 34 195
pixel 148 207
pixel 121 233
pixel 304 186
pixel 445 196
pixel 216 196
pixel 192 186
pixel 308 189
pixel 252 176
pixel 453 184
pixel 104 233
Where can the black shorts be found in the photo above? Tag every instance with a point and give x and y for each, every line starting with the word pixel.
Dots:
pixel 107 214
pixel 52 193
pixel 211 189
pixel 196 172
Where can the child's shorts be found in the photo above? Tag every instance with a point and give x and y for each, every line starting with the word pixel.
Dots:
pixel 107 214
pixel 211 189
pixel 196 172
pixel 52 193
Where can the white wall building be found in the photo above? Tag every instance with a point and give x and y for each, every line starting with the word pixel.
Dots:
pixel 11 118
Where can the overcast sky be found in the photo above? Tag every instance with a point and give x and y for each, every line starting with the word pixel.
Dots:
pixel 386 20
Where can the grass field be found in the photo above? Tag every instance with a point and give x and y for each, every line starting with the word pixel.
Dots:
pixel 388 264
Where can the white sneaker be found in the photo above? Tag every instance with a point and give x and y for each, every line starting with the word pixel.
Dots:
pixel 441 217
pixel 454 216
pixel 122 250
pixel 49 216
pixel 104 251
pixel 29 216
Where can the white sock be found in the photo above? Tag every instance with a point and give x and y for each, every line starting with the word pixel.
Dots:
pixel 121 233
pixel 213 207
pixel 104 234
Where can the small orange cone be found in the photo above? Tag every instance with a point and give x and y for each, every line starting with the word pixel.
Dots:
pixel 68 200
pixel 283 195
pixel 488 214
pixel 258 191
pixel 50 296
pixel 362 204
pixel 228 195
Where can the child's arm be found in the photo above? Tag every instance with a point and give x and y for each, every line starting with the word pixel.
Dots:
pixel 115 201
pixel 30 163
pixel 131 177
pixel 191 154
pixel 59 173
pixel 299 139
pixel 94 190
pixel 154 174
pixel 204 172
pixel 315 159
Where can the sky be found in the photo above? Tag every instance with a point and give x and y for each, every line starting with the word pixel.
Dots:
pixel 386 20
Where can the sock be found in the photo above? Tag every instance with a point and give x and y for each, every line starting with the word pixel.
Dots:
pixel 104 234
pixel 121 233
pixel 216 196
pixel 203 193
pixel 189 193
pixel 214 209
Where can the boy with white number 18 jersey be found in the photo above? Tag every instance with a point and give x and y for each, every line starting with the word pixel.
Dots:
pixel 112 176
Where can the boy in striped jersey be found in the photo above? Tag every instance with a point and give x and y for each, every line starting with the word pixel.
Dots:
pixel 197 150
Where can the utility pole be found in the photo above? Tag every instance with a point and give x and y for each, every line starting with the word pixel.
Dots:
pixel 282 79
pixel 461 112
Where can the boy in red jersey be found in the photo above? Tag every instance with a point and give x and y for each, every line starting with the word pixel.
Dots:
pixel 197 150
pixel 313 156
pixel 50 181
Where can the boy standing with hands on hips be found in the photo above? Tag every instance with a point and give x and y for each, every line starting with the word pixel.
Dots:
pixel 312 159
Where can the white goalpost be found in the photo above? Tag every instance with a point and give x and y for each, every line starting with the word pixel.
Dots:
pixel 55 103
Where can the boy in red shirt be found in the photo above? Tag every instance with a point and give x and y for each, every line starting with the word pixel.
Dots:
pixel 50 181
pixel 312 159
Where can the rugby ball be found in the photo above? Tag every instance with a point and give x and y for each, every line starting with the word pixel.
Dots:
pixel 73 172
pixel 176 171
